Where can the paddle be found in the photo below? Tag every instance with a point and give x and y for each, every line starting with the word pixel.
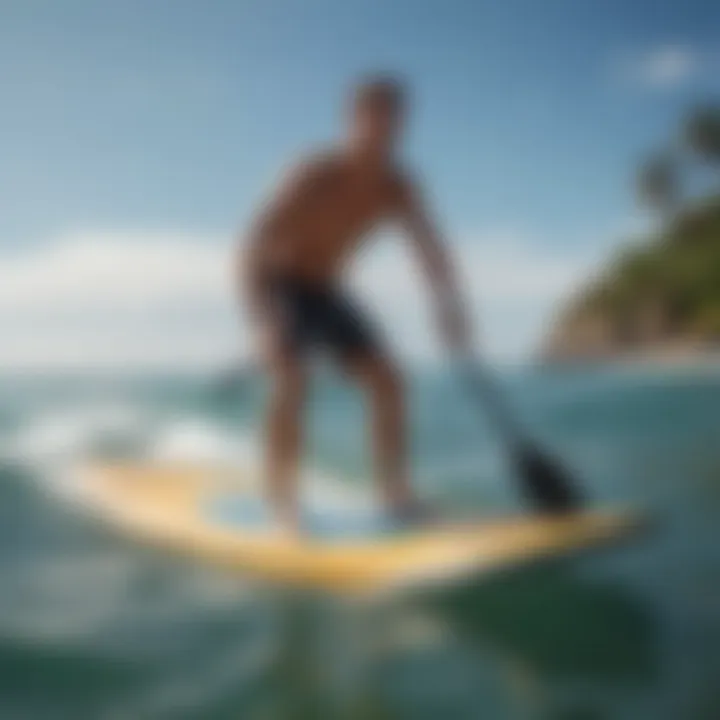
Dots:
pixel 545 481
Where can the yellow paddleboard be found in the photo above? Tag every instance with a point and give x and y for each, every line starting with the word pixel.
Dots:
pixel 217 514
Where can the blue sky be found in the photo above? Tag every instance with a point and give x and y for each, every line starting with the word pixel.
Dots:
pixel 146 123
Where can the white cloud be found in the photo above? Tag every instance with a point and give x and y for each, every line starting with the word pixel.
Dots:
pixel 103 270
pixel 112 299
pixel 662 67
pixel 118 299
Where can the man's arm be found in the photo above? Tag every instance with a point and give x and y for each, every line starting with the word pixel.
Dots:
pixel 434 257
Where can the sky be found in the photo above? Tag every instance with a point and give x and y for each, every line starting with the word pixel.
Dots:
pixel 136 139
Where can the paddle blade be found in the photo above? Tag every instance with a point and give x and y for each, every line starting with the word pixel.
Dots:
pixel 546 483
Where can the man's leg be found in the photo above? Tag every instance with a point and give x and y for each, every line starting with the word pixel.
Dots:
pixel 283 437
pixel 383 383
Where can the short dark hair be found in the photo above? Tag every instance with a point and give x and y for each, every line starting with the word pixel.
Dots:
pixel 383 89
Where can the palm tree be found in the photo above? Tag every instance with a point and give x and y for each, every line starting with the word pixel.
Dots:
pixel 657 183
pixel 702 132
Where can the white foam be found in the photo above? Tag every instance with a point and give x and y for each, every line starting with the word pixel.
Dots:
pixel 61 435
pixel 193 440
pixel 55 443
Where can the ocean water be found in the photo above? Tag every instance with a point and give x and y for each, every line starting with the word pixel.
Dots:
pixel 95 626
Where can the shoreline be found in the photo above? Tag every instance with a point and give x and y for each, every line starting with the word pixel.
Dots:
pixel 675 358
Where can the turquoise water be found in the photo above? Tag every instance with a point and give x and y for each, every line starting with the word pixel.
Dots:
pixel 93 626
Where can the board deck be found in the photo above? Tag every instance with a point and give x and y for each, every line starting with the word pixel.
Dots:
pixel 212 513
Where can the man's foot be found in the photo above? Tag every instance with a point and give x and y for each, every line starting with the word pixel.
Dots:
pixel 414 513
pixel 284 525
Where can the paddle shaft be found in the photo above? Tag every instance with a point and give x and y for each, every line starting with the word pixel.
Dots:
pixel 486 394
pixel 544 480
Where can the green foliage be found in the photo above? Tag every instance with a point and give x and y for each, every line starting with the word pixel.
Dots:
pixel 707 322
pixel 657 182
pixel 675 275
pixel 702 132
pixel 669 288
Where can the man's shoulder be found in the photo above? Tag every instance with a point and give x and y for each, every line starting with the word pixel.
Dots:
pixel 307 173
pixel 319 165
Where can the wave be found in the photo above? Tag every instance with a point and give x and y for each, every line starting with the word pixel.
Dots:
pixel 52 443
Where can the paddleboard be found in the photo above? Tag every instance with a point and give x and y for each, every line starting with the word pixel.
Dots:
pixel 218 514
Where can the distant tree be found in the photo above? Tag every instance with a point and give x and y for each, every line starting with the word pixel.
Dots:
pixel 657 183
pixel 666 289
pixel 702 132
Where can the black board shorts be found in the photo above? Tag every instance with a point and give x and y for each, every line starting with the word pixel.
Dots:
pixel 311 318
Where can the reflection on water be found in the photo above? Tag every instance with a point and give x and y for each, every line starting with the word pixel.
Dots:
pixel 536 644
pixel 560 636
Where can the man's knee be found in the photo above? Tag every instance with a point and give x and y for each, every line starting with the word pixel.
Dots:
pixel 384 378
pixel 289 380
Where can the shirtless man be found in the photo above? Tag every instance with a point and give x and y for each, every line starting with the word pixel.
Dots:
pixel 298 249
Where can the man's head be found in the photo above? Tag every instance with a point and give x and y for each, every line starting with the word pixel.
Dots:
pixel 377 109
